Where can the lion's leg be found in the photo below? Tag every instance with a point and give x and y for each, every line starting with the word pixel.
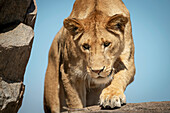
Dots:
pixel 51 86
pixel 72 97
pixel 51 90
pixel 113 95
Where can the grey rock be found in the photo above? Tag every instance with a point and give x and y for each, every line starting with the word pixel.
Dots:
pixel 15 47
pixel 146 107
pixel 13 10
pixel 17 19
pixel 10 96
pixel 20 36
pixel 31 14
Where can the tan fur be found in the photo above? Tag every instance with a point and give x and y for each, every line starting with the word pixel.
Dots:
pixel 91 59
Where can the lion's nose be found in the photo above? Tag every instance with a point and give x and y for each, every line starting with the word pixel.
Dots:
pixel 98 71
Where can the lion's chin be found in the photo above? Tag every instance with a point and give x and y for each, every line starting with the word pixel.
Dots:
pixel 102 80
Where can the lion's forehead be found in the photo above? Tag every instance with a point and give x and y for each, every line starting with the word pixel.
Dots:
pixel 108 7
pixel 97 37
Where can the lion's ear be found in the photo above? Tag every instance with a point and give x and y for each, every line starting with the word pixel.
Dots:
pixel 117 22
pixel 73 26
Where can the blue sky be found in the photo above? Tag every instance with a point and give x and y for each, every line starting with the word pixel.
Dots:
pixel 151 32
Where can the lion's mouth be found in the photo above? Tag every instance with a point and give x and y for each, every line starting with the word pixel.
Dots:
pixel 107 75
pixel 103 79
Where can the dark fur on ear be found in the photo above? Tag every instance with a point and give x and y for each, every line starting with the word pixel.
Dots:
pixel 73 26
pixel 117 22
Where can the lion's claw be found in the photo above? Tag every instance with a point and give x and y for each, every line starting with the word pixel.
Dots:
pixel 112 99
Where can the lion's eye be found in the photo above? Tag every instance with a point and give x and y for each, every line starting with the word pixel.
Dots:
pixel 75 28
pixel 118 25
pixel 86 46
pixel 106 44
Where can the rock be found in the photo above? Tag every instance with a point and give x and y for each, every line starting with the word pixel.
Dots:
pixel 13 11
pixel 31 14
pixel 15 47
pixel 147 107
pixel 17 19
pixel 11 95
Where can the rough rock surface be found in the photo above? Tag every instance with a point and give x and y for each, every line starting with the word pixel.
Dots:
pixel 147 107
pixel 17 19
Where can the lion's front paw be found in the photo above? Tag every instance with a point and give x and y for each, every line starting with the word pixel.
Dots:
pixel 112 98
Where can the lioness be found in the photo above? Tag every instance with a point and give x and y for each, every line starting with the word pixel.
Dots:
pixel 91 59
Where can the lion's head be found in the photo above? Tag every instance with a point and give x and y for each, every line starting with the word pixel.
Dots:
pixel 100 39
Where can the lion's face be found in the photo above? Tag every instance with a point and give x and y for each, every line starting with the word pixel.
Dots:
pixel 100 40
